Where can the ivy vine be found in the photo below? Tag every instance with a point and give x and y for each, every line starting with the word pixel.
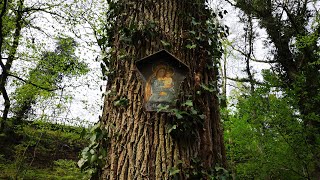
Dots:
pixel 183 120
pixel 196 171
pixel 93 156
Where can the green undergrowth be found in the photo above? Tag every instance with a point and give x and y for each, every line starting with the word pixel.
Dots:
pixel 62 169
pixel 39 150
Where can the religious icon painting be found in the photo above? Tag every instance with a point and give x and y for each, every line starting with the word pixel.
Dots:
pixel 160 86
pixel 163 74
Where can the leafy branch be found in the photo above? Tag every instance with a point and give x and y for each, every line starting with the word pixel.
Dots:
pixel 33 84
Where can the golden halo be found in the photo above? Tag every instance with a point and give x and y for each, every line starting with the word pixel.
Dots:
pixel 159 65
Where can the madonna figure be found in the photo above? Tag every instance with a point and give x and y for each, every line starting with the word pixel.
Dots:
pixel 160 86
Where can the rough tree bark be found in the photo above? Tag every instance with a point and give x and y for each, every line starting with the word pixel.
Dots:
pixel 140 146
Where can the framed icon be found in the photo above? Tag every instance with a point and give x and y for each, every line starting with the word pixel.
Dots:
pixel 162 74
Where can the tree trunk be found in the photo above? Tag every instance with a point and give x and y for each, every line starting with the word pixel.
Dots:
pixel 12 52
pixel 140 145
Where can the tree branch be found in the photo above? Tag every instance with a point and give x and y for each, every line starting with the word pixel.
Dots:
pixel 43 10
pixel 234 5
pixel 251 58
pixel 292 19
pixel 39 29
pixel 244 80
pixel 33 84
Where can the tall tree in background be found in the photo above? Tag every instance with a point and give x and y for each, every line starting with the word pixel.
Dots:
pixel 293 28
pixel 24 36
pixel 47 76
pixel 9 21
pixel 151 145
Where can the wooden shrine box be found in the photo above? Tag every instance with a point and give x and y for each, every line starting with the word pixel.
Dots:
pixel 162 74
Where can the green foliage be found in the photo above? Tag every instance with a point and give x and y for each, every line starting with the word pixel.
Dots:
pixel 196 171
pixel 191 46
pixel 39 150
pixel 48 74
pixel 121 102
pixel 211 87
pixel 62 169
pixel 175 170
pixel 274 132
pixel 165 44
pixel 66 169
pixel 183 120
pixel 265 137
pixel 209 35
pixel 93 156
pixel 137 32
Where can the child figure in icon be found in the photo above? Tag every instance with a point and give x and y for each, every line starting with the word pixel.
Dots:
pixel 160 85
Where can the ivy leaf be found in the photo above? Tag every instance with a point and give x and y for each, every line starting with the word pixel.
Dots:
pixel 92 151
pixel 85 150
pixel 174 127
pixel 194 22
pixel 103 153
pixel 202 116
pixel 123 56
pixel 173 171
pixel 191 46
pixel 162 108
pixel 95 127
pixel 83 133
pixel 208 88
pixel 121 102
pixel 192 32
pixel 177 113
pixel 165 44
pixel 179 116
pixel 93 137
pixel 188 103
pixel 81 163
pixel 193 111
pixel 93 158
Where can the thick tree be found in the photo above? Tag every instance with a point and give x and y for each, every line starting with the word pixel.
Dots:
pixel 161 145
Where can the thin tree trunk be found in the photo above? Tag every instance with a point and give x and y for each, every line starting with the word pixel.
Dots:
pixel 249 42
pixel 223 70
pixel 7 67
pixel 140 145
pixel 4 93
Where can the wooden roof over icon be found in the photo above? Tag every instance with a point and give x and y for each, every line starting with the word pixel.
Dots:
pixel 162 56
